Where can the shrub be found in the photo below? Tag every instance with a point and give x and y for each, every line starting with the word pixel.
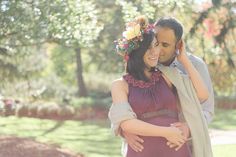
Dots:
pixel 32 110
pixel 91 102
pixel 81 102
pixel 42 111
pixel 226 102
pixel 53 111
pixel 21 110
pixel 89 108
pixel 66 112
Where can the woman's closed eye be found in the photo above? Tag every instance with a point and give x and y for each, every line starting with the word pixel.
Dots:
pixel 156 44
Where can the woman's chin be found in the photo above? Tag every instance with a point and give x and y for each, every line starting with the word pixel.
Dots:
pixel 153 65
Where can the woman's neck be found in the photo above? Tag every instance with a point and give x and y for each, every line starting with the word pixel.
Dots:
pixel 147 73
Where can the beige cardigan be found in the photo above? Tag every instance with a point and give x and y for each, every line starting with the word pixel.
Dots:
pixel 190 106
pixel 192 111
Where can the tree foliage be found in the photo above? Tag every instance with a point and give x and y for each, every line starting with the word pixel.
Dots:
pixel 84 32
pixel 71 23
pixel 209 32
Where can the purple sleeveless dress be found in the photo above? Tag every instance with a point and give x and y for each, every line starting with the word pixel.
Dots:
pixel 152 96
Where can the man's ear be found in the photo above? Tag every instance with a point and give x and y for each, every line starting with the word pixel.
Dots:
pixel 179 44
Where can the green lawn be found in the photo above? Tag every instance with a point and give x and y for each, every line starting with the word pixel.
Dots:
pixel 87 138
pixel 224 119
pixel 94 139
pixel 224 150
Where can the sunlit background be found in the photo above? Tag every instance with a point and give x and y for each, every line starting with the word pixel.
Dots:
pixel 57 61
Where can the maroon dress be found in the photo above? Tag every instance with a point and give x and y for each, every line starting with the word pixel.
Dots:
pixel 155 95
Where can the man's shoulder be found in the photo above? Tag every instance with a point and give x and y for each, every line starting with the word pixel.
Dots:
pixel 196 60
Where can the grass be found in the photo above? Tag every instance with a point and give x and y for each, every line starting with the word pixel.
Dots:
pixel 224 119
pixel 86 138
pixel 93 138
pixel 224 150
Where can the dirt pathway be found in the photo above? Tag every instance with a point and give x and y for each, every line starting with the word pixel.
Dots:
pixel 25 147
pixel 222 136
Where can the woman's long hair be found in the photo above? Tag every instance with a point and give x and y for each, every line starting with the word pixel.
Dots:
pixel 135 64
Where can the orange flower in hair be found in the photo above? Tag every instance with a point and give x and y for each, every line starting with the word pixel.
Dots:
pixel 132 36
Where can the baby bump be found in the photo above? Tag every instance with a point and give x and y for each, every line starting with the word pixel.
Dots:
pixel 156 146
pixel 161 120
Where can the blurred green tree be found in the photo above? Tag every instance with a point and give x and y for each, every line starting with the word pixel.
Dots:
pixel 73 24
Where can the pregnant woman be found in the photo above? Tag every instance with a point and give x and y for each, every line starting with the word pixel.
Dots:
pixel 147 100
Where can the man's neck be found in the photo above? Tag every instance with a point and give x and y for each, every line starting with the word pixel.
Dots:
pixel 168 63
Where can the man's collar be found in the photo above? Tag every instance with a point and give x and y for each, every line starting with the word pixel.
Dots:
pixel 174 63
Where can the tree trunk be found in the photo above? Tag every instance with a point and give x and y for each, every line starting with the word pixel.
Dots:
pixel 82 91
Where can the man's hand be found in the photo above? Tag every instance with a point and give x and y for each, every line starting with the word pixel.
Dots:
pixel 134 141
pixel 185 130
pixel 183 126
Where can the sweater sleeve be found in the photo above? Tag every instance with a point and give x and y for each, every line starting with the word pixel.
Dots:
pixel 118 113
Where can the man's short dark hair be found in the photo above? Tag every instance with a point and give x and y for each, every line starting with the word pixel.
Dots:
pixel 171 23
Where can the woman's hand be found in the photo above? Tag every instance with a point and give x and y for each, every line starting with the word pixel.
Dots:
pixel 182 56
pixel 174 135
pixel 198 83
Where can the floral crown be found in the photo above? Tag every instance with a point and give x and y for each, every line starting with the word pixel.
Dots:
pixel 132 36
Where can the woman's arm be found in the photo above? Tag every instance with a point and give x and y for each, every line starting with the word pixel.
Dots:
pixel 119 93
pixel 198 83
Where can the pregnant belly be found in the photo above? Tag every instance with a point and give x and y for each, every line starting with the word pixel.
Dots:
pixel 161 121
pixel 157 145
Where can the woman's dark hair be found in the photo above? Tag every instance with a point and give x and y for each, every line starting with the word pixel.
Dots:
pixel 135 64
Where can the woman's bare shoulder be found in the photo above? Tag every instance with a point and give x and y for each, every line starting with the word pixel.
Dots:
pixel 119 83
pixel 119 90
